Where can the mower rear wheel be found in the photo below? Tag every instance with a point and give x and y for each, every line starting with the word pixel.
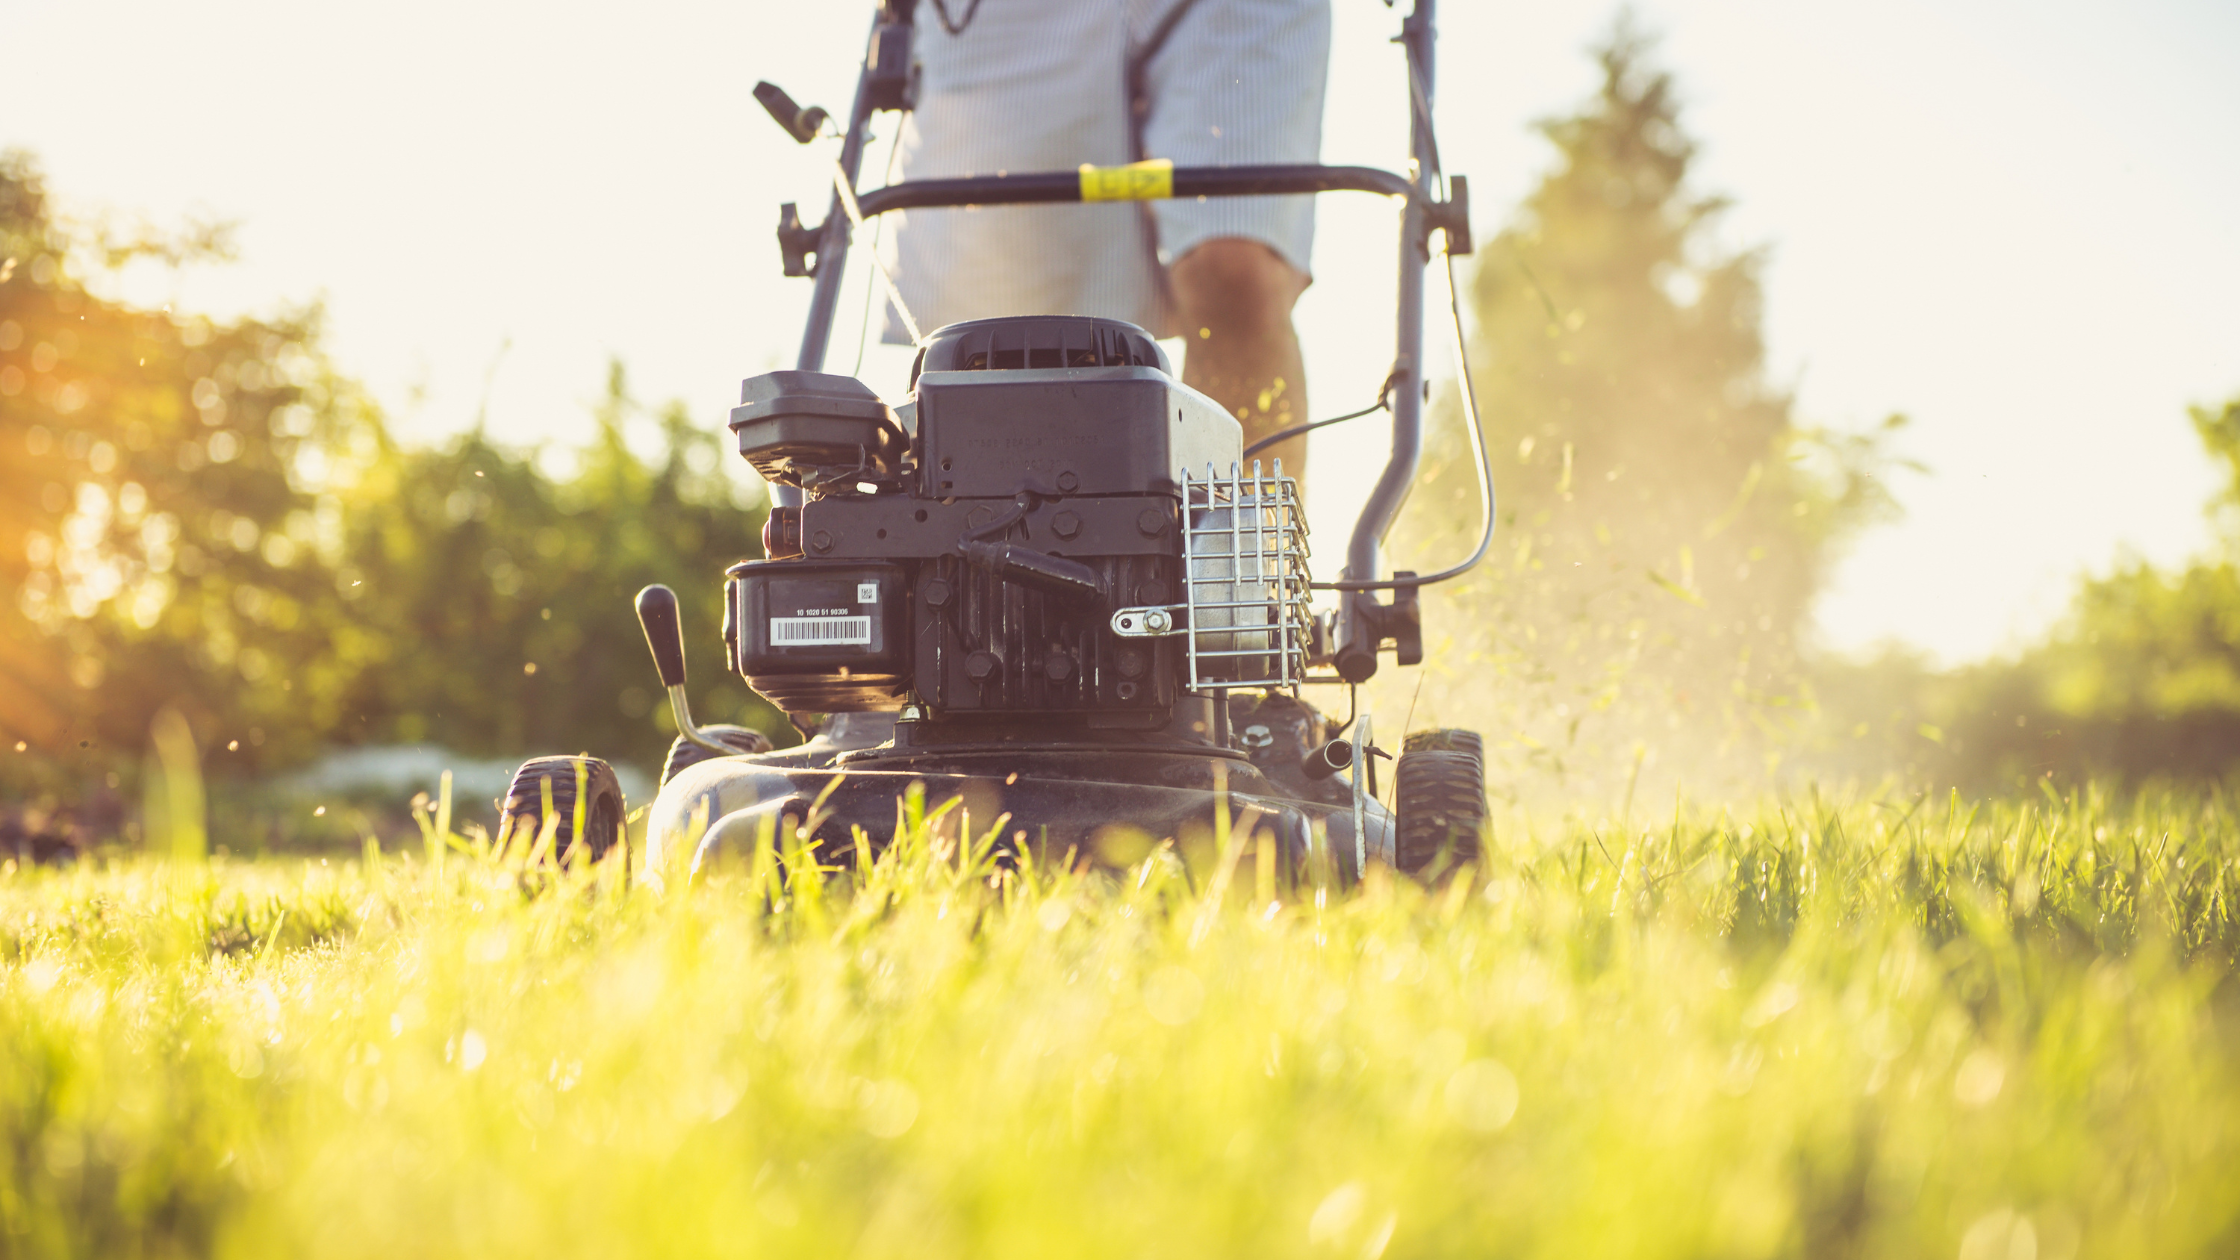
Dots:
pixel 1440 797
pixel 602 805
pixel 1446 740
pixel 684 752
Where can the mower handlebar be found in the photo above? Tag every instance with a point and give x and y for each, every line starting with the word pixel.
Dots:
pixel 1143 181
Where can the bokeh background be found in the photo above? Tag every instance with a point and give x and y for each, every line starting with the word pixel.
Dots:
pixel 1857 381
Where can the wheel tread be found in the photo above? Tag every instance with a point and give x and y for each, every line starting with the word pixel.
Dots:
pixel 523 804
pixel 1440 795
pixel 1446 739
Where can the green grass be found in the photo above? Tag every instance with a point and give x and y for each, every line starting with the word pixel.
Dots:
pixel 1890 1027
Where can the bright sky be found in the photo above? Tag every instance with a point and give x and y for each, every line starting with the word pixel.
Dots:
pixel 2001 218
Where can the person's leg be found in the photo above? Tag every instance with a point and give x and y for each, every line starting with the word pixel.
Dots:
pixel 1233 296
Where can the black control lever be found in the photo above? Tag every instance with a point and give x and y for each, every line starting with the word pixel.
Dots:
pixel 802 124
pixel 657 616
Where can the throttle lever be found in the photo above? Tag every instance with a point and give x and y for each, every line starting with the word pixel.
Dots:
pixel 657 616
pixel 802 124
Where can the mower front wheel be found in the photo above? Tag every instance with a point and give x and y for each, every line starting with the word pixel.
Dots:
pixel 524 805
pixel 1440 797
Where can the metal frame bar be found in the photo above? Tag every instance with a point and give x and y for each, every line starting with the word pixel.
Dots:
pixel 1357 632
pixel 832 246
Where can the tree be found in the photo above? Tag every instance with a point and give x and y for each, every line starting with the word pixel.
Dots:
pixel 1665 520
pixel 153 545
pixel 522 585
pixel 211 517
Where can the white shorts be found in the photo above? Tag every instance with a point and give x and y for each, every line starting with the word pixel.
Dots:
pixel 1039 85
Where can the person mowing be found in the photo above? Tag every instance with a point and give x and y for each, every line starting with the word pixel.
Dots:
pixel 1037 85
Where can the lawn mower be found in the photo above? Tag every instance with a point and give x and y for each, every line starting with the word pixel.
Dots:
pixel 1052 584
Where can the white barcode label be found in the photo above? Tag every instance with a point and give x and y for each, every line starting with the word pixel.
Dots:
pixel 819 631
pixel 867 592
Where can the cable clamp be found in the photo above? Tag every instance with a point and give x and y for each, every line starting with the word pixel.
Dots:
pixel 1452 216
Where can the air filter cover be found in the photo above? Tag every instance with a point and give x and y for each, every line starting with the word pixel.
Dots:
pixel 800 428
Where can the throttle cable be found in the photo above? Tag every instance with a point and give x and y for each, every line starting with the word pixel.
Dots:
pixel 1478 456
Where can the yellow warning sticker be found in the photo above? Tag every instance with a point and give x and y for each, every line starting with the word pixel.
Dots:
pixel 1137 181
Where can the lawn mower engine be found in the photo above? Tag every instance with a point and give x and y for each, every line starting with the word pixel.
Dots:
pixel 1055 531
pixel 1047 583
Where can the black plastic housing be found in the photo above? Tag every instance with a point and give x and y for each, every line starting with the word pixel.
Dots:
pixel 823 637
pixel 889 78
pixel 808 428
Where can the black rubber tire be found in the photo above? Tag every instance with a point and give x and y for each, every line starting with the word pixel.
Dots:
pixel 1447 739
pixel 1440 797
pixel 683 752
pixel 603 807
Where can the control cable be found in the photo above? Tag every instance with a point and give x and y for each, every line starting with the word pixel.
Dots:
pixel 1383 403
pixel 1478 456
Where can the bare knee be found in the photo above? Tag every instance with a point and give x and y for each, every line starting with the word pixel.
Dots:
pixel 1236 284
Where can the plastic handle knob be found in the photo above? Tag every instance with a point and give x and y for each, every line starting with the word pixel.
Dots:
pixel 657 613
pixel 802 124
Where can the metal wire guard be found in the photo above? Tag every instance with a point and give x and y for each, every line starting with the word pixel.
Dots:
pixel 1246 593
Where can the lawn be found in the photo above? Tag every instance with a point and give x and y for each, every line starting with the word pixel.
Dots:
pixel 1887 1025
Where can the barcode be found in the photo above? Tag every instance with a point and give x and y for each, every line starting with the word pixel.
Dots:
pixel 818 631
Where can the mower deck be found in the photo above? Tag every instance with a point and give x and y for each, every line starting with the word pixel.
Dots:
pixel 1101 801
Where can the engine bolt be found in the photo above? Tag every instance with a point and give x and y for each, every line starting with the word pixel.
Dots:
pixel 1068 482
pixel 1057 666
pixel 1065 525
pixel 937 593
pixel 1152 522
pixel 980 666
pixel 821 541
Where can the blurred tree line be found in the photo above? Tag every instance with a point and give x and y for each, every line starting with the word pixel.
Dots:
pixel 2140 680
pixel 1665 519
pixel 209 516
